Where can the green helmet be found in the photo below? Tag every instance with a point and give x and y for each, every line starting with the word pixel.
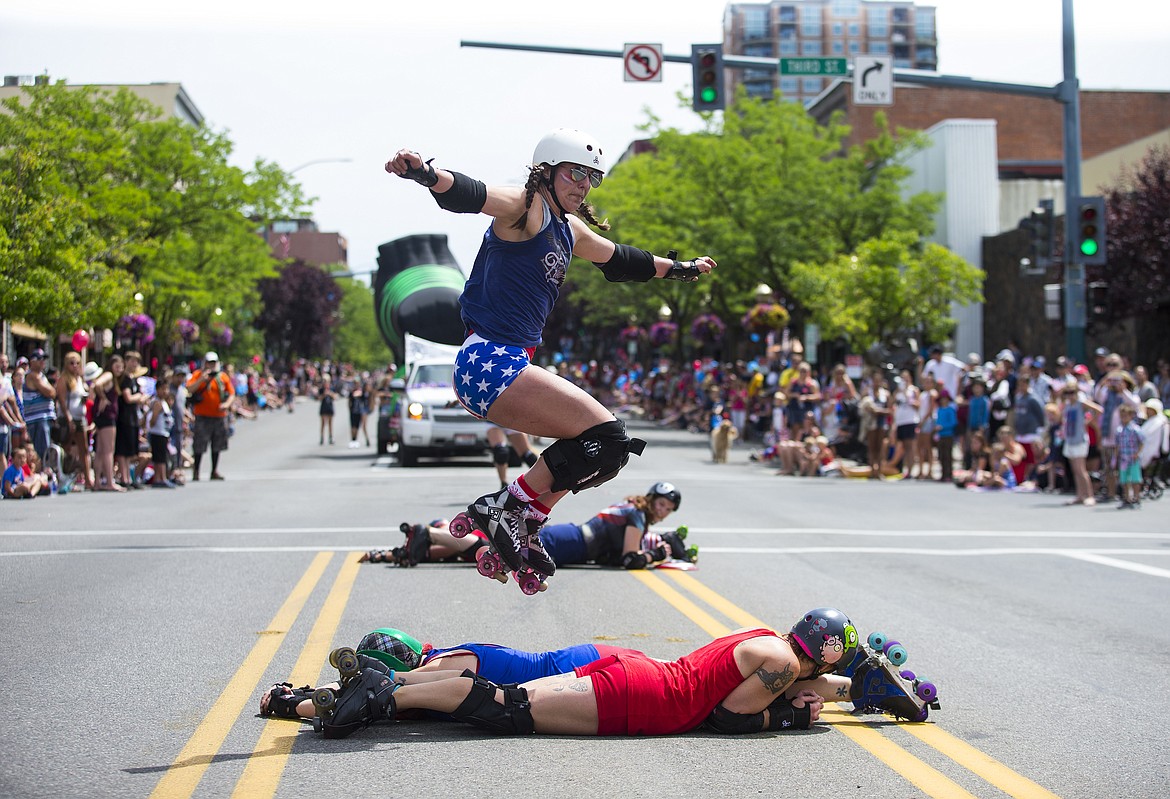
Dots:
pixel 395 648
pixel 827 636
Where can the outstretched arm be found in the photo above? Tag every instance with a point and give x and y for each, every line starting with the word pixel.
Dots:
pixel 621 262
pixel 457 192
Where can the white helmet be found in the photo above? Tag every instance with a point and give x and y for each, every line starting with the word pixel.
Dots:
pixel 572 146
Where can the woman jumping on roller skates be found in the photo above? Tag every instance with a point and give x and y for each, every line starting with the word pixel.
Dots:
pixel 515 281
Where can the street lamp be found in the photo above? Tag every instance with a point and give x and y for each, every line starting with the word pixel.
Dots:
pixel 320 161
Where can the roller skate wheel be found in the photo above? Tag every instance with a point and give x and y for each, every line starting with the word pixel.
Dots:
pixel 907 675
pixel 488 563
pixel 460 526
pixel 324 700
pixel 347 663
pixel 405 527
pixel 529 583
pixel 876 641
pixel 926 691
pixel 682 532
pixel 897 654
pixel 317 725
pixel 335 655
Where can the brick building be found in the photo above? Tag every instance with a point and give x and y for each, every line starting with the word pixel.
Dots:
pixel 299 239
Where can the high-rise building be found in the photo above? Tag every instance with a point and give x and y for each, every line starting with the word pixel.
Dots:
pixel 903 31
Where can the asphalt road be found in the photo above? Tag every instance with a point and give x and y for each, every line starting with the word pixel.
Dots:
pixel 139 631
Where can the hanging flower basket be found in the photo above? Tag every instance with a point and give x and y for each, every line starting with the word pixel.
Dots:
pixel 137 327
pixel 663 333
pixel 708 328
pixel 221 334
pixel 633 333
pixel 186 330
pixel 765 317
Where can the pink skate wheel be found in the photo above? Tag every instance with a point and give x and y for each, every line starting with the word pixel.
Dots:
pixel 487 564
pixel 529 583
pixel 460 526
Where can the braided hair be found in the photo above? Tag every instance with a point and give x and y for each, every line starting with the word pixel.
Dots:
pixel 536 176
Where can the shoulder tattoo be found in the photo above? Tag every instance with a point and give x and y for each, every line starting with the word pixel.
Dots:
pixel 775 681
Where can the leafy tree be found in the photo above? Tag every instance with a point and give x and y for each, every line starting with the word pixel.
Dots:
pixel 102 195
pixel 890 286
pixel 1138 238
pixel 356 338
pixel 300 308
pixel 765 190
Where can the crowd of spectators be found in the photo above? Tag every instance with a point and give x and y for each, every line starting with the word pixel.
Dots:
pixel 1096 431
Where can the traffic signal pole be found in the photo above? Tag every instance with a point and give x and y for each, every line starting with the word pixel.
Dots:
pixel 1074 272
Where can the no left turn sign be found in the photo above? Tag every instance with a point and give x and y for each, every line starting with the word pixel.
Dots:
pixel 642 62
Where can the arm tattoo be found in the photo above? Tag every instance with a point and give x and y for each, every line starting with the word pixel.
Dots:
pixel 775 681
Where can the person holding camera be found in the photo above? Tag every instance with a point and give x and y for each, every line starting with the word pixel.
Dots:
pixel 211 396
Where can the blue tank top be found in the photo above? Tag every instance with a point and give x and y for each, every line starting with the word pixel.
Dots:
pixel 502 664
pixel 514 284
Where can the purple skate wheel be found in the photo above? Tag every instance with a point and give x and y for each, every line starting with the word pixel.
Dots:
pixel 926 691
pixel 487 563
pixel 906 674
pixel 896 653
pixel 876 641
pixel 460 526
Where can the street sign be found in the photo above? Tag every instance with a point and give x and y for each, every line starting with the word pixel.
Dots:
pixel 642 63
pixel 814 67
pixel 873 80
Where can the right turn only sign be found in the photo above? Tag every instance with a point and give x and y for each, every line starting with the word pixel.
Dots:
pixel 873 80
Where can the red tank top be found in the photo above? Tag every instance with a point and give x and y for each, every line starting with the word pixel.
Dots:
pixel 677 696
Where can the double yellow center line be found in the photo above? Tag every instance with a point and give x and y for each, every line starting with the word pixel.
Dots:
pixel 926 778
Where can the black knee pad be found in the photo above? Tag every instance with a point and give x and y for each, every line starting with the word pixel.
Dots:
pixel 480 708
pixel 592 458
pixel 530 458
pixel 500 454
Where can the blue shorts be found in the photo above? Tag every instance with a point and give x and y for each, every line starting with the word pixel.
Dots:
pixel 483 370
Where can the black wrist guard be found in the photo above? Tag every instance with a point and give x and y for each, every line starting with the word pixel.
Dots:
pixel 628 263
pixel 783 715
pixel 466 195
pixel 686 271
pixel 634 560
pixel 726 722
pixel 424 174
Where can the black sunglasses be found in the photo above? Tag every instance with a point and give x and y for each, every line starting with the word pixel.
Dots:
pixel 579 173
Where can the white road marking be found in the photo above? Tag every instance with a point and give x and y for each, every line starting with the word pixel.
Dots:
pixel 1095 556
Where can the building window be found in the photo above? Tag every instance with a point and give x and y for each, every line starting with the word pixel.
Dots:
pixel 854 29
pixel 924 23
pixel 810 21
pixel 810 48
pixel 846 8
pixel 903 63
pixel 854 48
pixel 926 54
pixel 788 47
pixel 838 29
pixel 762 90
pixel 879 22
pixel 788 13
pixel 838 47
pixel 879 48
pixel 811 85
pixel 789 86
pixel 755 22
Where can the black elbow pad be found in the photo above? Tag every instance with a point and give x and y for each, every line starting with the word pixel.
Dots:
pixel 725 722
pixel 628 263
pixel 466 196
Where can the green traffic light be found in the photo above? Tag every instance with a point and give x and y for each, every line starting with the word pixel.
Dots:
pixel 707 94
pixel 1088 247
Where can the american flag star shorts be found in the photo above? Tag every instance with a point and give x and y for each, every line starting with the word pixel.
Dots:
pixel 483 369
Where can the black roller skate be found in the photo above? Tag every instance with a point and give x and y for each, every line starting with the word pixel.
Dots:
pixel 418 544
pixel 679 550
pixel 366 695
pixel 534 553
pixel 501 517
pixel 880 685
